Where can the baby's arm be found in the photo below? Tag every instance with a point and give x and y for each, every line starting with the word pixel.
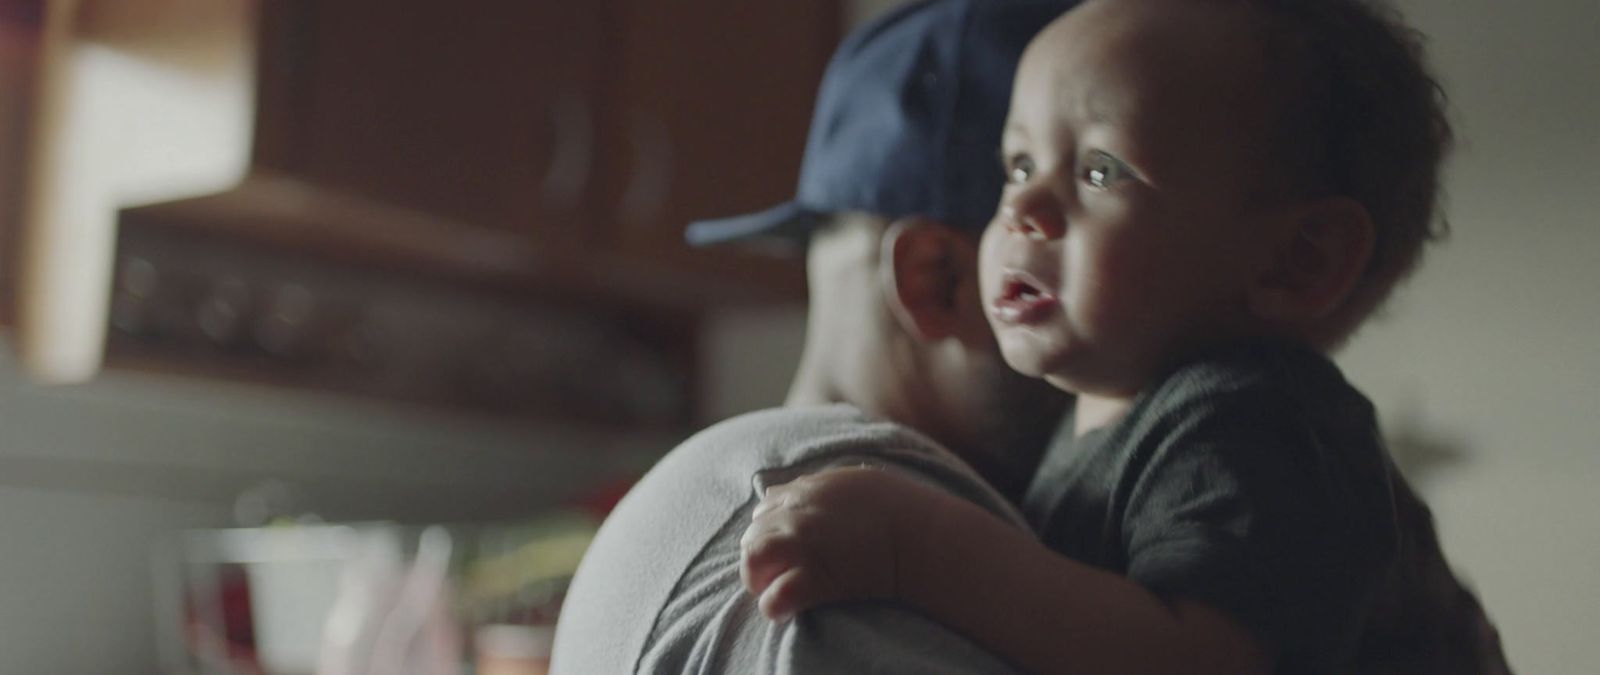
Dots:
pixel 865 533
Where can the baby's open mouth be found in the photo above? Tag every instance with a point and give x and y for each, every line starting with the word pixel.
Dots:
pixel 1023 299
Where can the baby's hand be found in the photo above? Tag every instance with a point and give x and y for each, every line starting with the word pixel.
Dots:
pixel 825 537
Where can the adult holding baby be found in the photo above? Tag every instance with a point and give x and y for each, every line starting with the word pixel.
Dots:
pixel 900 369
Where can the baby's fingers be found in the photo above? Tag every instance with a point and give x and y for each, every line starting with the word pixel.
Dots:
pixel 794 590
pixel 768 549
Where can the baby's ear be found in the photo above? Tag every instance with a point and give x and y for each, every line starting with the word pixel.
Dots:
pixel 1315 269
pixel 929 271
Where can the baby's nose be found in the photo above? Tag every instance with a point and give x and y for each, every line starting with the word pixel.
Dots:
pixel 1034 220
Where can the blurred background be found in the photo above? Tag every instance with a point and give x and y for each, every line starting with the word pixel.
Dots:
pixel 287 281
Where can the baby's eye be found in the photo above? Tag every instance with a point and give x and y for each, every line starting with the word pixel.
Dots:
pixel 1019 168
pixel 1100 170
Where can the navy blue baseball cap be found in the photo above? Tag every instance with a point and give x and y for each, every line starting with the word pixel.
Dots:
pixel 908 120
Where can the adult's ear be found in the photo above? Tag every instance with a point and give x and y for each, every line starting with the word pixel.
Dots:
pixel 1314 271
pixel 929 274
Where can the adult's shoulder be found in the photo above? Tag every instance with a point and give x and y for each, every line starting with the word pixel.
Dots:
pixel 689 503
pixel 779 433
pixel 774 446
pixel 684 517
pixel 741 445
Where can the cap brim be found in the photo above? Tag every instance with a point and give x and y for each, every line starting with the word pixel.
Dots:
pixel 785 221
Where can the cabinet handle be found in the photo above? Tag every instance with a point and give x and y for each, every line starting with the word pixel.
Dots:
pixel 572 157
pixel 646 195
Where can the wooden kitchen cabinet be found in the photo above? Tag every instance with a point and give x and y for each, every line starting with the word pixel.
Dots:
pixel 479 113
pixel 710 105
pixel 480 205
pixel 553 147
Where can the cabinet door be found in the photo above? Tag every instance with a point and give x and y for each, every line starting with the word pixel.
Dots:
pixel 713 102
pixel 481 112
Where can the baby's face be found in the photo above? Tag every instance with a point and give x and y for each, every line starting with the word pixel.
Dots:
pixel 1131 225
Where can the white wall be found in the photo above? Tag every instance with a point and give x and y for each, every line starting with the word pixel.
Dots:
pixel 1491 350
pixel 92 477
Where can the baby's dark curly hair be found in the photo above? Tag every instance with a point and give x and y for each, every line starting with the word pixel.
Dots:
pixel 1362 118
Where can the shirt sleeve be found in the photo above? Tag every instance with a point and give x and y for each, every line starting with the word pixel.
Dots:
pixel 1245 506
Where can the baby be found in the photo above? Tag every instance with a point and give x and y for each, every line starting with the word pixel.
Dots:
pixel 1205 197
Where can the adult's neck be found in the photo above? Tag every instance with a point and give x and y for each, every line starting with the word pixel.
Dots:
pixel 879 388
pixel 835 370
pixel 823 378
pixel 805 392
pixel 812 384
